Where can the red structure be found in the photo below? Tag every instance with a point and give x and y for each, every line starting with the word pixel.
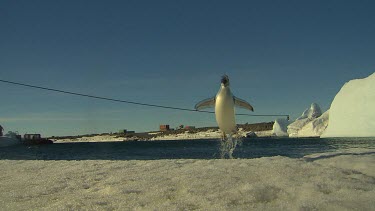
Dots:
pixel 164 127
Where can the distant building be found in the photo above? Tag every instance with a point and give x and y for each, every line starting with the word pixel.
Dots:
pixel 32 136
pixel 126 131
pixel 1 130
pixel 189 127
pixel 164 127
pixel 123 131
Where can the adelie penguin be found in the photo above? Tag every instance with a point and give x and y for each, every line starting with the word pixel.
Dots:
pixel 224 104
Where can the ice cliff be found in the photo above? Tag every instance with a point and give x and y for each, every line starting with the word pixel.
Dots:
pixel 352 111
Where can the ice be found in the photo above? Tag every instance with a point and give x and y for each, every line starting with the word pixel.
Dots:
pixel 209 134
pixel 97 138
pixel 280 127
pixel 184 135
pixel 316 127
pixel 313 112
pixel 330 181
pixel 352 110
pixel 310 115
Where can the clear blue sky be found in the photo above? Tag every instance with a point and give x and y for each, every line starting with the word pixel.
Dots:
pixel 281 56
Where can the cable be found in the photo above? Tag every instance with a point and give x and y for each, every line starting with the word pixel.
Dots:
pixel 129 102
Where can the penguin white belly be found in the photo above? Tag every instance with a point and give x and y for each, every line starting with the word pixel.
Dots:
pixel 224 111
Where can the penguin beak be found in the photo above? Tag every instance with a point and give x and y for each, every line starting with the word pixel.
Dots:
pixel 225 80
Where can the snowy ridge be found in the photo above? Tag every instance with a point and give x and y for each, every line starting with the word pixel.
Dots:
pixel 209 134
pixel 98 138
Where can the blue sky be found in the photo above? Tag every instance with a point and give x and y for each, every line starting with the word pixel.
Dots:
pixel 281 56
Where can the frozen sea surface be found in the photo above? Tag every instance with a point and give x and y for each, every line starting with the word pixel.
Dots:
pixel 284 174
pixel 182 149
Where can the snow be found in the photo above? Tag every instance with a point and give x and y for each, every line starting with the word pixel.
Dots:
pixel 209 134
pixel 313 112
pixel 352 110
pixel 98 138
pixel 280 127
pixel 330 181
pixel 309 123
pixel 316 127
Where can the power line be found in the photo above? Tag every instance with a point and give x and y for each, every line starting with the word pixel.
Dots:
pixel 126 101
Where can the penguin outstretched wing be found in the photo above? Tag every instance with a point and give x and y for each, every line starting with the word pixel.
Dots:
pixel 242 104
pixel 206 103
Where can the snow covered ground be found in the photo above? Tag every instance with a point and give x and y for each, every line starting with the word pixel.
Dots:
pixel 343 180
pixel 98 138
pixel 210 134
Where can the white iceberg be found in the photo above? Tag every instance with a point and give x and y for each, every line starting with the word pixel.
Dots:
pixel 307 117
pixel 316 127
pixel 352 110
pixel 280 127
pixel 313 112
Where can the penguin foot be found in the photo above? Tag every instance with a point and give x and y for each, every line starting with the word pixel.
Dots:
pixel 223 136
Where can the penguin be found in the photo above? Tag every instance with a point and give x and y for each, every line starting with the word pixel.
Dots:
pixel 224 104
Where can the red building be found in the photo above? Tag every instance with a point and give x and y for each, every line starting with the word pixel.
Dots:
pixel 164 127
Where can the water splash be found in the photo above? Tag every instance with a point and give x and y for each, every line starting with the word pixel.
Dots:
pixel 228 145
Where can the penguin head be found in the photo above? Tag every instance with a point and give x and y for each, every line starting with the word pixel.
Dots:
pixel 225 80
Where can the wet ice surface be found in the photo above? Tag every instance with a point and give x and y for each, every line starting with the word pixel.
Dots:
pixel 342 177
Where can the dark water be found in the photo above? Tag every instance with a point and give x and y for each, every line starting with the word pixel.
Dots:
pixel 181 149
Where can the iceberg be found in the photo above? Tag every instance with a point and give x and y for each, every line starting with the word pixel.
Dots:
pixel 308 116
pixel 352 110
pixel 316 127
pixel 313 112
pixel 280 127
